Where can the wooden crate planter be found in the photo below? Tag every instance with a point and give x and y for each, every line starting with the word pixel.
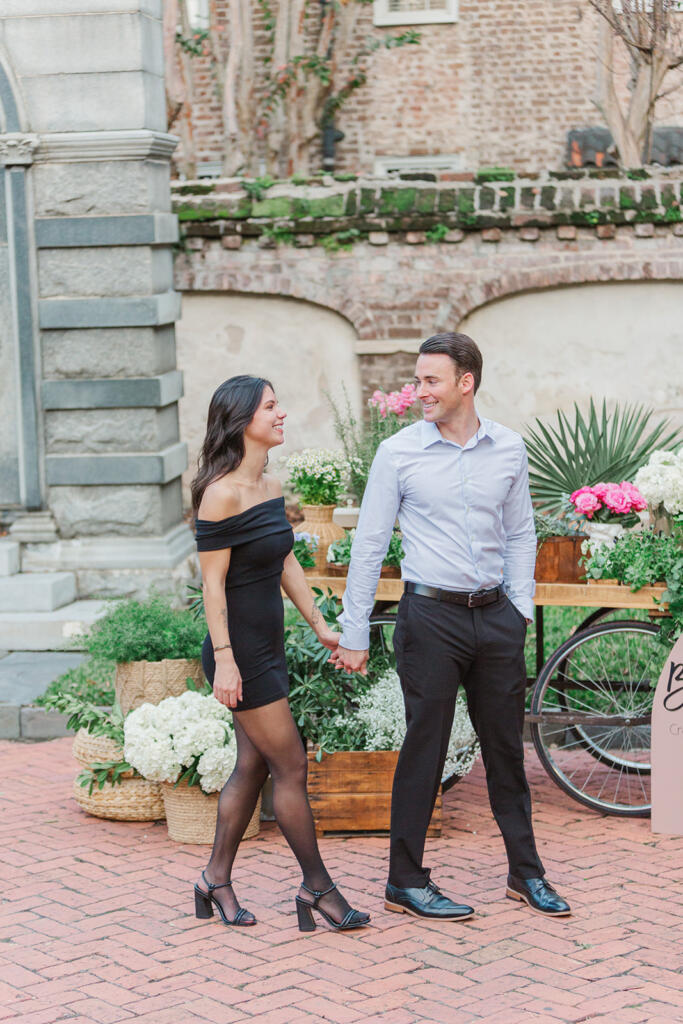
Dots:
pixel 350 791
pixel 557 560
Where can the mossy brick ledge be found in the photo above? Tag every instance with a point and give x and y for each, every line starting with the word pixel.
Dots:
pixel 365 205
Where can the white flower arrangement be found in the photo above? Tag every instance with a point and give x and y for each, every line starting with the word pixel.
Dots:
pixel 380 717
pixel 660 481
pixel 318 475
pixel 189 737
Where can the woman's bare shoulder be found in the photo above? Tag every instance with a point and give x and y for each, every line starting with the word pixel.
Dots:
pixel 221 499
pixel 274 486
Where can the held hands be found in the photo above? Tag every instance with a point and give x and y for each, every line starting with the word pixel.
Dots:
pixel 350 661
pixel 227 683
pixel 327 637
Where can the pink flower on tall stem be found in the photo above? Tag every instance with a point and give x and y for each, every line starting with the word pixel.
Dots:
pixel 587 503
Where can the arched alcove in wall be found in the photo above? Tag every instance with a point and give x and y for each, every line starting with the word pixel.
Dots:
pixel 304 349
pixel 546 349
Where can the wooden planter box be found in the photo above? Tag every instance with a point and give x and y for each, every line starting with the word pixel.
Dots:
pixel 351 792
pixel 557 560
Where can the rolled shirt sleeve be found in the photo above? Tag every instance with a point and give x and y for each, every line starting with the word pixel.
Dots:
pixel 519 558
pixel 375 524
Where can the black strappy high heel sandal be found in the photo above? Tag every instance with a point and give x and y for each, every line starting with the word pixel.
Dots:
pixel 304 912
pixel 204 903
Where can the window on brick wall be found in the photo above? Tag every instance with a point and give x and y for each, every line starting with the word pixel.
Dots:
pixel 400 165
pixel 414 12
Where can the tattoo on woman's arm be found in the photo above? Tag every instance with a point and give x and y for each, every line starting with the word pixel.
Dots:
pixel 316 617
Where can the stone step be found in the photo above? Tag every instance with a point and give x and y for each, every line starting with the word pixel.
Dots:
pixel 49 631
pixel 37 591
pixel 9 557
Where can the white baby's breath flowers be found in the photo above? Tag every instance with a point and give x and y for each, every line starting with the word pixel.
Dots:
pixel 381 713
pixel 192 730
pixel 325 464
pixel 660 481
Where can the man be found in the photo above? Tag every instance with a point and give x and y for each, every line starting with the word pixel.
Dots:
pixel 459 485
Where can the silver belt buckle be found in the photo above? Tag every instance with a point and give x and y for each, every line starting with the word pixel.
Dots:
pixel 475 593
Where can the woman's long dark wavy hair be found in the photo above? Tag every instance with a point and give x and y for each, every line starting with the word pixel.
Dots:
pixel 231 410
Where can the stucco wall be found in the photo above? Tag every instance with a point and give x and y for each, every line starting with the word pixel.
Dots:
pixel 304 349
pixel 545 350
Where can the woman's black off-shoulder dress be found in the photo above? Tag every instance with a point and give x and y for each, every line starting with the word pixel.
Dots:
pixel 260 538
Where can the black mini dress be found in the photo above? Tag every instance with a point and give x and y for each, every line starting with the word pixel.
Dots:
pixel 260 538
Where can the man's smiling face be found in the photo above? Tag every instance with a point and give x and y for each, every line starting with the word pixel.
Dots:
pixel 439 388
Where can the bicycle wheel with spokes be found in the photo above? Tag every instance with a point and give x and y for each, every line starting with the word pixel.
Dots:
pixel 590 715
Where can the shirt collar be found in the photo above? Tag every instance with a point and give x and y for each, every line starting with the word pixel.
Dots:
pixel 431 434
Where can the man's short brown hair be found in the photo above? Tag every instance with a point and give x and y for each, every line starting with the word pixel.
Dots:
pixel 463 351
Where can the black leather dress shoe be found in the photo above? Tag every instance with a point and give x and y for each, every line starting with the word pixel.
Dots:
pixel 539 895
pixel 428 902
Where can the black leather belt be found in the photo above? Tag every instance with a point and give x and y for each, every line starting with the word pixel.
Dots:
pixel 474 599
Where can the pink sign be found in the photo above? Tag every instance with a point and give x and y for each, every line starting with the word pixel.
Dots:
pixel 667 746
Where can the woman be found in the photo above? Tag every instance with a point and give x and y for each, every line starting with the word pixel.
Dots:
pixel 245 550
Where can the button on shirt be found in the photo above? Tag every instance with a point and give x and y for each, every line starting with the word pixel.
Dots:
pixel 464 511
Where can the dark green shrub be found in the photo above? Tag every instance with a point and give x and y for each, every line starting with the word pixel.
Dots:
pixel 150 630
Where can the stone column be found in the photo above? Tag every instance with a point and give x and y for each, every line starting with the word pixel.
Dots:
pixel 91 77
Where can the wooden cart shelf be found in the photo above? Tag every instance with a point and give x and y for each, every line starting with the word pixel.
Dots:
pixel 594 594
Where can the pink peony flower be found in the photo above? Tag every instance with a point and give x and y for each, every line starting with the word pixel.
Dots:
pixel 616 499
pixel 581 490
pixel 638 503
pixel 601 490
pixel 587 503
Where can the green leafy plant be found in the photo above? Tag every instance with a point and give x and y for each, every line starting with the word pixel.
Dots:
pixel 99 773
pixel 320 693
pixel 485 174
pixel 83 714
pixel 360 438
pixel 642 559
pixel 92 681
pixel 552 526
pixel 280 234
pixel 150 630
pixel 256 188
pixel 590 449
pixel 304 548
pixel 340 240
pixel 437 233
pixel 340 551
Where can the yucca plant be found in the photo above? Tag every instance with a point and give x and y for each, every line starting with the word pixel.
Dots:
pixel 599 447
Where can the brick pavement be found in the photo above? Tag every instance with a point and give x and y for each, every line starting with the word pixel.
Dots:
pixel 96 923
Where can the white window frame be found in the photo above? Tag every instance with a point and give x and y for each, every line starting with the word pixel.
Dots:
pixel 383 16
pixel 386 166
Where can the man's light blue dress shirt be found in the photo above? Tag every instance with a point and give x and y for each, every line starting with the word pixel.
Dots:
pixel 465 514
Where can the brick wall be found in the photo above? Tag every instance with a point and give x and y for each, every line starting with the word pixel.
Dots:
pixel 502 85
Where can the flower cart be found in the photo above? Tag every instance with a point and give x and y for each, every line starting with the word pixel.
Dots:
pixel 592 696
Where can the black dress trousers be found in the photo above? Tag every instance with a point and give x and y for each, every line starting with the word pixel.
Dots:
pixel 438 647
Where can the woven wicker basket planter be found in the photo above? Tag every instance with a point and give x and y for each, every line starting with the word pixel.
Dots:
pixel 87 748
pixel 148 682
pixel 129 800
pixel 191 814
pixel 134 799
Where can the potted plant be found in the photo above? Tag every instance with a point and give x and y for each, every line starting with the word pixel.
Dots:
pixel 318 476
pixel 187 744
pixel 660 482
pixel 607 510
pixel 584 450
pixel 351 771
pixel 305 547
pixel 647 558
pixel 387 413
pixel 353 727
pixel 156 649
pixel 558 549
pixel 339 556
pixel 107 785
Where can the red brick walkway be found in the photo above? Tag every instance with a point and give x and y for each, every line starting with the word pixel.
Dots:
pixel 97 922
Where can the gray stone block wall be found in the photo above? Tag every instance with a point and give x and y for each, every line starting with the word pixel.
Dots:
pixel 89 74
pixel 108 352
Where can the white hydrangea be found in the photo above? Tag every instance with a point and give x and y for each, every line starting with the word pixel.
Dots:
pixel 163 740
pixel 381 710
pixel 660 481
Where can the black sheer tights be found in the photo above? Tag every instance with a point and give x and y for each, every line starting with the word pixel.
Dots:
pixel 268 741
